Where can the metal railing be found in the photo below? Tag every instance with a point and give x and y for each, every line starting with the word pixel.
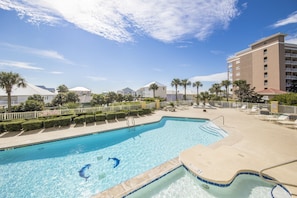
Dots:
pixel 130 122
pixel 275 181
pixel 221 116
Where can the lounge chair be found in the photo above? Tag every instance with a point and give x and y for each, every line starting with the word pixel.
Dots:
pixel 279 118
pixel 254 110
pixel 243 108
pixel 287 122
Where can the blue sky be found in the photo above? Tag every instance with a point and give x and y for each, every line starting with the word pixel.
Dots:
pixel 110 45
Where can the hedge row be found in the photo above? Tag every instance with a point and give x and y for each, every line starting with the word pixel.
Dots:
pixel 66 120
pixel 35 124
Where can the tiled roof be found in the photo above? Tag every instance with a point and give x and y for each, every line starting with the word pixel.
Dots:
pixel 271 91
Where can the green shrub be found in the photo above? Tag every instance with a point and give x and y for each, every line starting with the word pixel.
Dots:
pixel 49 123
pixel 147 111
pixel 121 114
pixel 100 117
pixel 79 119
pixel 13 126
pixel 89 118
pixel 110 116
pixel 140 112
pixel 32 125
pixel 64 121
pixel 134 112
pixel 2 129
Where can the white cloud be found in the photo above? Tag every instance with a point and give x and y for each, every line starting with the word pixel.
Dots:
pixel 120 20
pixel 56 72
pixel 22 65
pixel 96 78
pixel 219 77
pixel 292 18
pixel 216 52
pixel 40 52
pixel 291 39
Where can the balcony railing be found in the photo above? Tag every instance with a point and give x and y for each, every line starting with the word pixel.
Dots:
pixel 289 77
pixel 290 55
pixel 291 69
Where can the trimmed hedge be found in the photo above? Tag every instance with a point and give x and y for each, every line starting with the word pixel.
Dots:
pixel 13 126
pixel 147 111
pixel 100 117
pixel 58 121
pixel 89 118
pixel 121 114
pixel 2 129
pixel 79 119
pixel 64 121
pixel 110 116
pixel 32 125
pixel 49 123
pixel 135 112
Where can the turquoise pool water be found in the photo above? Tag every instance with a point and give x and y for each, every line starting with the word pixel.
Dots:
pixel 181 183
pixel 52 169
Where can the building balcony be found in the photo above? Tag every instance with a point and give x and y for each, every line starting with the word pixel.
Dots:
pixel 291 62
pixel 291 70
pixel 290 55
pixel 290 77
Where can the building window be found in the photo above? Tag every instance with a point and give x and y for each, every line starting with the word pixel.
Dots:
pixel 265 67
pixel 265 59
pixel 265 51
pixel 265 82
pixel 265 75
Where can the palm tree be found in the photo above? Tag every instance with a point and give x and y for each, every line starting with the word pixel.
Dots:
pixel 216 88
pixel 175 83
pixel 205 96
pixel 197 84
pixel 7 81
pixel 226 84
pixel 153 87
pixel 185 83
pixel 62 89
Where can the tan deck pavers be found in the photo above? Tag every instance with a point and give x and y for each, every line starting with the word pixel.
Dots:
pixel 252 144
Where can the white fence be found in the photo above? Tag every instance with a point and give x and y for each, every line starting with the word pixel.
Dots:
pixel 47 113
pixel 152 105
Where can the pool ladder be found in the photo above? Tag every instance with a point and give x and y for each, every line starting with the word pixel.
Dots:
pixel 275 181
pixel 130 123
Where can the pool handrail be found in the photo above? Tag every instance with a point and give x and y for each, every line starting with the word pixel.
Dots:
pixel 132 122
pixel 274 181
pixel 220 116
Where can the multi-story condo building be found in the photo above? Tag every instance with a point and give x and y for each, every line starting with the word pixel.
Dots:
pixel 267 63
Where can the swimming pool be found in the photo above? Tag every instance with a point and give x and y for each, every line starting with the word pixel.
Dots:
pixel 52 169
pixel 181 183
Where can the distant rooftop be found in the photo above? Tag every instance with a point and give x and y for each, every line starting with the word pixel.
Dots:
pixel 79 89
pixel 157 83
pixel 29 90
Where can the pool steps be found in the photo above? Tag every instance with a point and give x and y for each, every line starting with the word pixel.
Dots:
pixel 279 191
pixel 210 128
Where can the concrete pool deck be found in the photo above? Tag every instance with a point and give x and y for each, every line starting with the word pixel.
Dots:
pixel 252 145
